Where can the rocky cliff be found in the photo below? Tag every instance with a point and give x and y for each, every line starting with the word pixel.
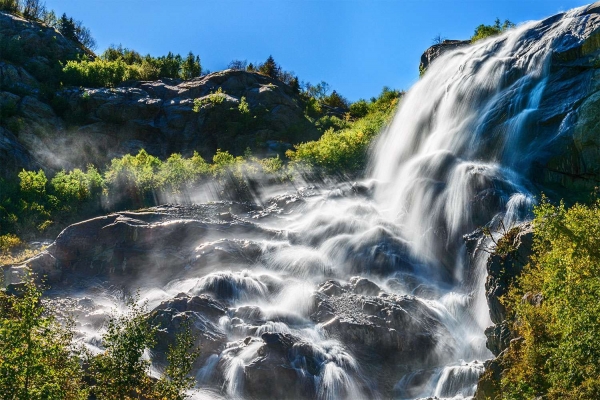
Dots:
pixel 567 165
pixel 42 125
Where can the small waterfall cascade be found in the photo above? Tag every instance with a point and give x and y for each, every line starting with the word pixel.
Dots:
pixel 337 295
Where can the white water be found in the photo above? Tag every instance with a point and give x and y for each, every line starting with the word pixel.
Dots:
pixel 453 159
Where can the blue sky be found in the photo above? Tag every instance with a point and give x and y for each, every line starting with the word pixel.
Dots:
pixel 357 46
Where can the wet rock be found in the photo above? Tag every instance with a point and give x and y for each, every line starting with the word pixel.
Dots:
pixel 227 253
pixel 202 313
pixel 156 244
pixel 498 337
pixel 504 268
pixel 402 329
pixel 364 286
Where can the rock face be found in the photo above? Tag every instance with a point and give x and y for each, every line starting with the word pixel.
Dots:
pixel 160 117
pixel 438 49
pixel 504 267
pixel 124 246
pixel 43 129
pixel 396 329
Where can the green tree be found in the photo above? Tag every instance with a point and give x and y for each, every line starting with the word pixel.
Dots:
pixel 556 309
pixel 176 380
pixel 11 6
pixel 66 26
pixel 33 9
pixel 485 31
pixel 270 68
pixel 335 100
pixel 37 359
pixel 120 372
pixel 190 67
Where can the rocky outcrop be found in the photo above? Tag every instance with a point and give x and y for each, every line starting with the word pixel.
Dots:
pixel 399 329
pixel 162 117
pixel 200 314
pixel 438 49
pixel 159 243
pixel 72 128
pixel 505 264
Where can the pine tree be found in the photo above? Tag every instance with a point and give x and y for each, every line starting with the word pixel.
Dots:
pixel 270 68
pixel 66 26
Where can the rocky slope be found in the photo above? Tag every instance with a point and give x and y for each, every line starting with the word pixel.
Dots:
pixel 41 126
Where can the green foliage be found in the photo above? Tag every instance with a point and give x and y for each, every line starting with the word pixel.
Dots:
pixel 359 109
pixel 215 98
pixel 328 122
pixel 335 100
pixel 190 67
pixel 121 372
pixel 178 173
pixel 77 186
pixel 556 309
pixel 37 359
pixel 8 242
pixel 243 107
pixel 11 6
pixel 134 176
pixel 485 31
pixel 66 26
pixel 270 68
pixel 345 151
pixel 181 357
pixel 118 64
pixel 97 73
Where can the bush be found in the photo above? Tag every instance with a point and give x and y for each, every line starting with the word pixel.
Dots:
pixel 121 372
pixel 556 309
pixel 8 242
pixel 37 359
pixel 135 177
pixel 97 73
pixel 485 31
pixel 118 64
pixel 345 151
pixel 75 188
pixel 177 173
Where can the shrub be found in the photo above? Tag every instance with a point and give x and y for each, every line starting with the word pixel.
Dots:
pixel 556 308
pixel 359 109
pixel 97 73
pixel 135 177
pixel 121 372
pixel 485 31
pixel 345 151
pixel 76 188
pixel 178 173
pixel 37 359
pixel 8 242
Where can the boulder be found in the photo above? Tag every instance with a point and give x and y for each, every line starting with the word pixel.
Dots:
pixel 397 329
pixel 200 313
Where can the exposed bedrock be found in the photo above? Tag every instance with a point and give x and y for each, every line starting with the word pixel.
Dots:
pixel 401 329
pixel 158 244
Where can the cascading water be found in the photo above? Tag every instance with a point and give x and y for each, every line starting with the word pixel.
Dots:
pixel 335 295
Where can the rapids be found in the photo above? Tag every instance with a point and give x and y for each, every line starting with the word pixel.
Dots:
pixel 366 290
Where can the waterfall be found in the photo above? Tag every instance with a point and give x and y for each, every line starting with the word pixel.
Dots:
pixel 339 295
